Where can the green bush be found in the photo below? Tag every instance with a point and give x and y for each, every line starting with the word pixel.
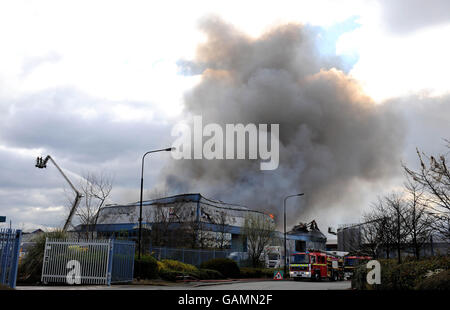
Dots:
pixel 359 280
pixel 30 267
pixel 146 267
pixel 172 270
pixel 439 281
pixel 225 266
pixel 406 276
pixel 177 265
pixel 169 275
pixel 251 272
pixel 5 288
pixel 208 274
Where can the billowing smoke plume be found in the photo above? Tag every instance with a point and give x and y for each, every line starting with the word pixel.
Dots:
pixel 332 136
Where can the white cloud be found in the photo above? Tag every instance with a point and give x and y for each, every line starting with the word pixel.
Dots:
pixel 392 66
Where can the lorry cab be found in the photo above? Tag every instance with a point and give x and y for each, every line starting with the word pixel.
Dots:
pixel 308 265
pixel 351 262
pixel 273 260
pixel 315 265
pixel 300 265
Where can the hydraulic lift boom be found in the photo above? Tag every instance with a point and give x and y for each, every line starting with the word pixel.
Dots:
pixel 42 163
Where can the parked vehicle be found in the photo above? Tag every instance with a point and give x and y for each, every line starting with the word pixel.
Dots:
pixel 238 256
pixel 273 257
pixel 351 262
pixel 316 265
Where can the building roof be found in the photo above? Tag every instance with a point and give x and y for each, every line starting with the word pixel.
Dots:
pixel 191 197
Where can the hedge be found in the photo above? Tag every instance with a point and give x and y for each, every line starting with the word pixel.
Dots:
pixel 177 265
pixel 209 274
pixel 439 281
pixel 172 270
pixel 409 275
pixel 30 267
pixel 251 272
pixel 146 267
pixel 170 275
pixel 225 266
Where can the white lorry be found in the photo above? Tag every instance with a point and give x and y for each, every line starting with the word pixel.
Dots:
pixel 273 257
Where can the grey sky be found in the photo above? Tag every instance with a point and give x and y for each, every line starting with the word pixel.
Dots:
pixel 406 16
pixel 96 95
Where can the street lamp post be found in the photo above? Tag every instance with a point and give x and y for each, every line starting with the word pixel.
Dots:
pixel 142 188
pixel 285 252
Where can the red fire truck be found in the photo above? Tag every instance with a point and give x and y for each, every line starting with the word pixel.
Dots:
pixel 351 262
pixel 316 265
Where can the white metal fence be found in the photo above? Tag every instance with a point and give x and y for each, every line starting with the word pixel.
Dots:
pixel 87 261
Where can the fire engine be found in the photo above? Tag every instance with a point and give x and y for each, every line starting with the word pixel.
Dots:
pixel 316 265
pixel 351 262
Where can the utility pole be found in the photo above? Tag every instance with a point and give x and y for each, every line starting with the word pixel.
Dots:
pixel 142 190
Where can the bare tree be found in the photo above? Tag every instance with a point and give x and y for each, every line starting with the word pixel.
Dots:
pixel 96 188
pixel 169 227
pixel 159 217
pixel 219 219
pixel 222 224
pixel 435 179
pixel 385 225
pixel 372 234
pixel 399 228
pixel 419 222
pixel 259 231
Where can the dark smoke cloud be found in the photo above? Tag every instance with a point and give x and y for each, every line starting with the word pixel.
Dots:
pixel 332 136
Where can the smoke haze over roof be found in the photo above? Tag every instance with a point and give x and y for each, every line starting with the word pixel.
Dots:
pixel 331 134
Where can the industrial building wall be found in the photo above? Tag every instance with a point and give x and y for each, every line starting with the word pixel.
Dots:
pixel 150 213
pixel 182 220
pixel 206 211
pixel 349 239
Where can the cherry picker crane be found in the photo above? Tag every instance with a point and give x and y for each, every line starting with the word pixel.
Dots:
pixel 42 163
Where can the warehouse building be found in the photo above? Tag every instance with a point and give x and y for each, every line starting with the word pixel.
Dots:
pixel 194 221
pixel 179 218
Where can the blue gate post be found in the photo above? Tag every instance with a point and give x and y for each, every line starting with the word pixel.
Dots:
pixel 15 260
pixel 5 254
pixel 110 261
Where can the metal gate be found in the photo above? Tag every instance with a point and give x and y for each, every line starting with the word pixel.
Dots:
pixel 122 261
pixel 87 261
pixel 9 256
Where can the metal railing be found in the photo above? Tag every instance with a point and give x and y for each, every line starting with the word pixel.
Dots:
pixel 188 256
pixel 88 261
pixel 122 261
pixel 9 256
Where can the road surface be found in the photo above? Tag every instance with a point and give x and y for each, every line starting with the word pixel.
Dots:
pixel 235 285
